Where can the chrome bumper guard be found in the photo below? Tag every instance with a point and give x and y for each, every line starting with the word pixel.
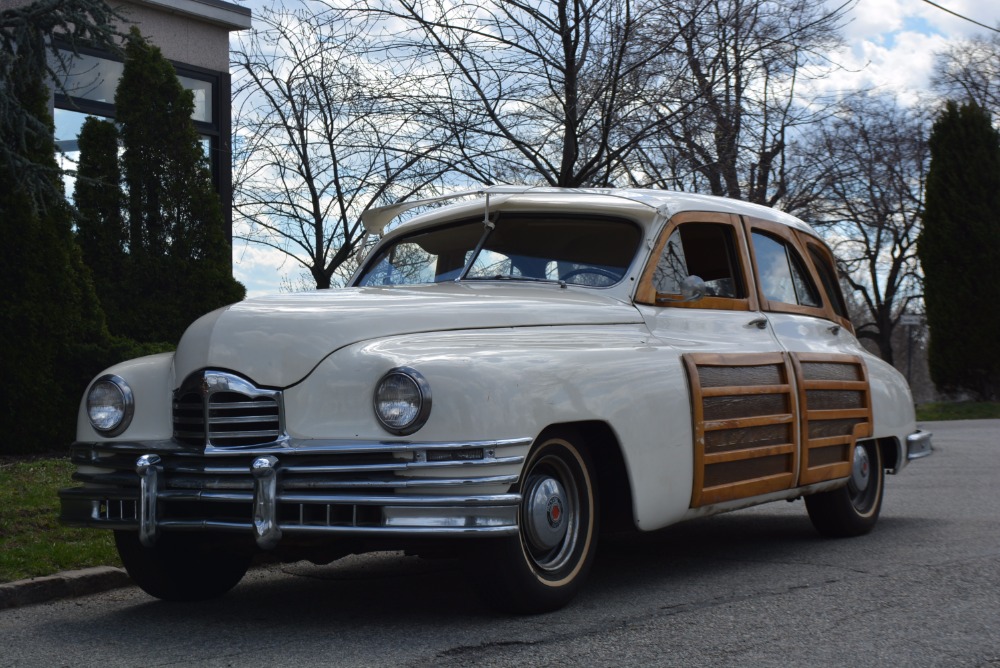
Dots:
pixel 315 488
pixel 918 445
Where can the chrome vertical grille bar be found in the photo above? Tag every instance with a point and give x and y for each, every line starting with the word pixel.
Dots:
pixel 150 480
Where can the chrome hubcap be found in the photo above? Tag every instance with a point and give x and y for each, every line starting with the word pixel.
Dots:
pixel 861 469
pixel 546 513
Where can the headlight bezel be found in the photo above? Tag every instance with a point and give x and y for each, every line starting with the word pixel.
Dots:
pixel 127 400
pixel 423 392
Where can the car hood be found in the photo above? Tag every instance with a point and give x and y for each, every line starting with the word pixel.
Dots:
pixel 276 341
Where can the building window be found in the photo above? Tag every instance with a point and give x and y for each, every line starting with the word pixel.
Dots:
pixel 89 90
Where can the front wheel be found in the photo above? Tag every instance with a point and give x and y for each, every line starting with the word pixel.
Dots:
pixel 852 510
pixel 183 566
pixel 541 568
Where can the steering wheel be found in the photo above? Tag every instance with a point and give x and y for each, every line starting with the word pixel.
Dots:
pixel 596 271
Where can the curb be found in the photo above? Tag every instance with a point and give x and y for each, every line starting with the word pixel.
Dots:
pixel 67 584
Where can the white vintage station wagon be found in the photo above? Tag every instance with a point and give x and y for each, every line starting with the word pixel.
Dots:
pixel 504 378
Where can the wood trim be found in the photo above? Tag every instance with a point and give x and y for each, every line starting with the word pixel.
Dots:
pixel 745 390
pixel 843 414
pixel 744 423
pixel 816 468
pixel 749 453
pixel 741 469
pixel 646 292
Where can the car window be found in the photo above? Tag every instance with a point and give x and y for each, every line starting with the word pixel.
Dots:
pixel 425 257
pixel 594 252
pixel 828 277
pixel 706 250
pixel 782 274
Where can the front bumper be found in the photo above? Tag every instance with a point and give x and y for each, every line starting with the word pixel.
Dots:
pixel 305 488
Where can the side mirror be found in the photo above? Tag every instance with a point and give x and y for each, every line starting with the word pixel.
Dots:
pixel 692 289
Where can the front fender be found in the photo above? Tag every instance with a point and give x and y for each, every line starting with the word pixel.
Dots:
pixel 513 383
pixel 152 381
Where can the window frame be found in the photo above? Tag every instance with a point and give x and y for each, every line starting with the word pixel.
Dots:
pixel 797 241
pixel 647 294
pixel 813 245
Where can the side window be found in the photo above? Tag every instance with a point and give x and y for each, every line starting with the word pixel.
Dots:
pixel 782 273
pixel 828 277
pixel 706 250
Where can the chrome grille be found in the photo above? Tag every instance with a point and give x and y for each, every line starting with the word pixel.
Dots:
pixel 223 410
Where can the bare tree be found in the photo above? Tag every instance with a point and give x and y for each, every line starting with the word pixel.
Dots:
pixel 319 137
pixel 969 71
pixel 549 91
pixel 741 61
pixel 874 156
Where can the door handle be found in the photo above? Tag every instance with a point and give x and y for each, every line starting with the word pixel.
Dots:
pixel 759 323
pixel 834 329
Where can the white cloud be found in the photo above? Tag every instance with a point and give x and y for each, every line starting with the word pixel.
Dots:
pixel 891 44
pixel 874 17
pixel 905 67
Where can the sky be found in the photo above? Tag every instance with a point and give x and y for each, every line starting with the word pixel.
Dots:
pixel 889 45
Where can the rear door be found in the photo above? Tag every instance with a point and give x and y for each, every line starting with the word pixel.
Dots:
pixel 797 290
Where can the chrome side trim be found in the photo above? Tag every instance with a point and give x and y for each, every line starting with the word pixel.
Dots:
pixel 445 531
pixel 294 446
pixel 918 445
pixel 421 500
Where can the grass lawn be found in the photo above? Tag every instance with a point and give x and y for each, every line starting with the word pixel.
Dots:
pixel 32 541
pixel 965 410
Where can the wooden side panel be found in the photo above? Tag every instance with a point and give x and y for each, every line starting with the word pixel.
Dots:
pixel 835 398
pixel 744 425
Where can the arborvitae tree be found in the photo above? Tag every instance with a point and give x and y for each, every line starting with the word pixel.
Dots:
pixel 49 315
pixel 100 229
pixel 180 261
pixel 959 250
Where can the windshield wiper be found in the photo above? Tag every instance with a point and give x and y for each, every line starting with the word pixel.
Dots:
pixel 488 225
pixel 526 279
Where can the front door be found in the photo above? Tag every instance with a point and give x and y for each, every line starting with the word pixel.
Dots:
pixel 743 400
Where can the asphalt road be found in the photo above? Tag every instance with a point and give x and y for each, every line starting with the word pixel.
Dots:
pixel 752 588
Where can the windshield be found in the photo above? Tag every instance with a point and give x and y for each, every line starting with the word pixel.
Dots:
pixel 571 249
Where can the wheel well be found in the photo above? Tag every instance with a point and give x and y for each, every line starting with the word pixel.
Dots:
pixel 890 453
pixel 614 492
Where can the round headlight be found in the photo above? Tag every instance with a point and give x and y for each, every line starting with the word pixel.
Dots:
pixel 110 405
pixel 402 401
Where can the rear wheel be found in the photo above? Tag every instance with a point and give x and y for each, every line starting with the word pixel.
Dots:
pixel 183 566
pixel 541 568
pixel 852 510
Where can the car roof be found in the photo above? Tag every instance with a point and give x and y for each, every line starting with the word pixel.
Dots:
pixel 598 200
